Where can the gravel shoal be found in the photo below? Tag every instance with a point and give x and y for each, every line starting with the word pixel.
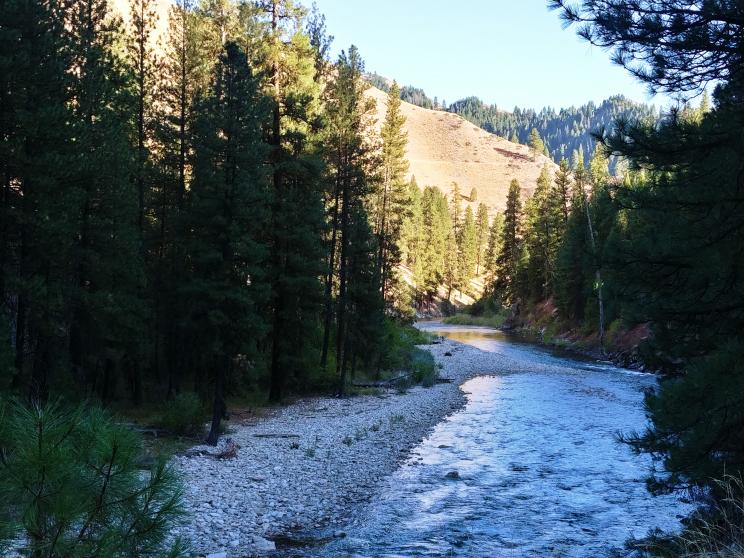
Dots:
pixel 307 466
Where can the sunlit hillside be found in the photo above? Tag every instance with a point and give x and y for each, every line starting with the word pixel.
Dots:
pixel 444 148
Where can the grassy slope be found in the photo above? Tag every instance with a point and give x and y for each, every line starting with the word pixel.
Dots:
pixel 444 148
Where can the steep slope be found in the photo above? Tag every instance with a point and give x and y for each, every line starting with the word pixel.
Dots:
pixel 444 148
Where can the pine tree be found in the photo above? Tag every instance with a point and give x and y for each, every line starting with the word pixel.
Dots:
pixel 495 235
pixel 78 487
pixel 142 61
pixel 456 209
pixel 179 85
pixel 349 115
pixel 536 143
pixel 288 60
pixel 481 236
pixel 226 221
pixel 320 40
pixel 677 242
pixel 506 285
pixel 108 313
pixel 38 200
pixel 467 249
pixel 598 174
pixel 437 231
pixel 563 186
pixel 392 204
pixel 411 234
pixel 543 235
pixel 573 264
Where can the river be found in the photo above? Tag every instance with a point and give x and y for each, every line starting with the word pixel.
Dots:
pixel 529 467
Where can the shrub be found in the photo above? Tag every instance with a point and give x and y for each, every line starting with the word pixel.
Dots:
pixel 423 367
pixel 184 415
pixel 71 485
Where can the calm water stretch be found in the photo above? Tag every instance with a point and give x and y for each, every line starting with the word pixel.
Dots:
pixel 540 470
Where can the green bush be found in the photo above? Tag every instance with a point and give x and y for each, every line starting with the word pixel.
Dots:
pixel 423 367
pixel 71 485
pixel 184 415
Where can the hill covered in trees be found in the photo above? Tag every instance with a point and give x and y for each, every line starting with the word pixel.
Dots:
pixel 563 131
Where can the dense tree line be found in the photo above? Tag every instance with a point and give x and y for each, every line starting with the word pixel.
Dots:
pixel 660 245
pixel 564 131
pixel 444 246
pixel 553 244
pixel 208 213
pixel 677 238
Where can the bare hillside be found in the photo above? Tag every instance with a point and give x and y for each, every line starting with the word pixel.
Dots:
pixel 444 148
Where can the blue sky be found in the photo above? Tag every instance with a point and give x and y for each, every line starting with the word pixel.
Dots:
pixel 508 52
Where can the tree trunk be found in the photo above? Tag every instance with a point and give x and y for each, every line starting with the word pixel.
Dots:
pixel 329 279
pixel 218 405
pixel 341 319
pixel 598 275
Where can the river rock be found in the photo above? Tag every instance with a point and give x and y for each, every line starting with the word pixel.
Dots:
pixel 263 545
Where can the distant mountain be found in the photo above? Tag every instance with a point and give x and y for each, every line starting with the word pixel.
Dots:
pixel 564 132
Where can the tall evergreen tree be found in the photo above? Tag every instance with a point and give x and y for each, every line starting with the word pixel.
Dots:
pixel 142 60
pixel 495 235
pixel 108 312
pixel 38 200
pixel 180 83
pixel 563 189
pixel 351 157
pixel 543 234
pixel 226 221
pixel 481 236
pixel 392 201
pixel 467 248
pixel 678 239
pixel 437 226
pixel 573 269
pixel 506 285
pixel 536 143
pixel 289 63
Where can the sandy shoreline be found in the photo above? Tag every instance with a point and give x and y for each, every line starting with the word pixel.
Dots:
pixel 306 467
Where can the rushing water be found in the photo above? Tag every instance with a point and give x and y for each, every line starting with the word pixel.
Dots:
pixel 540 472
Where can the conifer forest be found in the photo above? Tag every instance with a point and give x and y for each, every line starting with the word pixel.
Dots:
pixel 240 291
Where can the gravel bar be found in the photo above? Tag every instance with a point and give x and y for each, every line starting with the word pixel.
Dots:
pixel 306 467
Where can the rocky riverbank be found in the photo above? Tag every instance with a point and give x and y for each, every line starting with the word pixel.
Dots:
pixel 303 468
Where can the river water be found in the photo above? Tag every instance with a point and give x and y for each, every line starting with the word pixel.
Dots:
pixel 539 470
